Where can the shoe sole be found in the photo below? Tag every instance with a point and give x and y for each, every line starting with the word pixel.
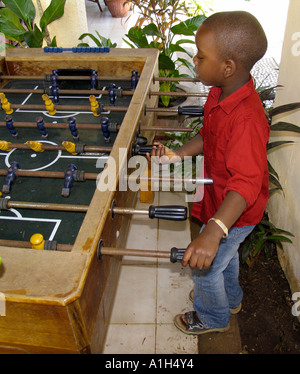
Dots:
pixel 182 327
pixel 232 310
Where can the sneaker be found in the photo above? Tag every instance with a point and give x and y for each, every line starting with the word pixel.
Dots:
pixel 232 310
pixel 190 324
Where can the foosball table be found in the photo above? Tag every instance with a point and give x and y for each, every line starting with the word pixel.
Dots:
pixel 64 117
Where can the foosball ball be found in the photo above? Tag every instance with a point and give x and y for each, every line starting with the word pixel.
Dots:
pixel 63 119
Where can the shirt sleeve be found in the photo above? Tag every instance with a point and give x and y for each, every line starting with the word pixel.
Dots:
pixel 246 158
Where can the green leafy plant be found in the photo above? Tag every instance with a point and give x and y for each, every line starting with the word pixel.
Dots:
pixel 264 234
pixel 17 23
pixel 100 41
pixel 280 126
pixel 160 26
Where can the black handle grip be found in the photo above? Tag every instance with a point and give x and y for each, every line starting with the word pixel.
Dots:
pixel 176 254
pixel 141 150
pixel 193 111
pixel 169 212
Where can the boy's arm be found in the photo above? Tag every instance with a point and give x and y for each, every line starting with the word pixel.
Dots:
pixel 193 148
pixel 202 250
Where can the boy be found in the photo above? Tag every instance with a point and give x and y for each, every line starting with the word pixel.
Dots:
pixel 233 141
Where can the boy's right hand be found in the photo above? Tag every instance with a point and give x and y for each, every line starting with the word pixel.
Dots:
pixel 162 154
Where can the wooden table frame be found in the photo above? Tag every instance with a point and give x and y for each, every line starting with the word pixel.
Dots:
pixel 60 302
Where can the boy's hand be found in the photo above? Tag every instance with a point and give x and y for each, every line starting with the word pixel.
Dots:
pixel 202 250
pixel 163 154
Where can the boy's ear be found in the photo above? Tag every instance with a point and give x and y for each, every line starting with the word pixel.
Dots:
pixel 230 68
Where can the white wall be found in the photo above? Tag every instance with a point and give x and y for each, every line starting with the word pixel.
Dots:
pixel 284 208
pixel 70 26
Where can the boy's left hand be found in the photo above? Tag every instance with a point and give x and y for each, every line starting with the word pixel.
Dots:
pixel 202 250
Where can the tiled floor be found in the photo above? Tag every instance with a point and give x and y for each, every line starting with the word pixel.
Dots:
pixel 150 291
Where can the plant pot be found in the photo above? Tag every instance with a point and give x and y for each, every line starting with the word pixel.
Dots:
pixel 117 8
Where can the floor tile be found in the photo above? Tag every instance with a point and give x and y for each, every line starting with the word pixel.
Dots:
pixel 135 300
pixel 169 340
pixel 174 285
pixel 130 339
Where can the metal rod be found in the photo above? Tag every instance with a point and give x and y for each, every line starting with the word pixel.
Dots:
pixel 24 244
pixel 174 79
pixel 134 252
pixel 88 108
pixel 104 250
pixel 167 129
pixel 101 92
pixel 68 107
pixel 61 174
pixel 47 206
pixel 62 77
pixel 172 179
pixel 51 147
pixel 178 94
pixel 91 126
pixel 46 174
pixel 68 207
pixel 56 125
pixel 63 91
pixel 118 210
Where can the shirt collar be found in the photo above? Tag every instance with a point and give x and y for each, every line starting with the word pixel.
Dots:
pixel 235 98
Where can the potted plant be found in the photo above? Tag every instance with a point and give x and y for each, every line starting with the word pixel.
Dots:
pixel 118 8
pixel 17 23
pixel 160 26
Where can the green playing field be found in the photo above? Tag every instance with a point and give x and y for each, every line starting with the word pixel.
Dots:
pixel 21 224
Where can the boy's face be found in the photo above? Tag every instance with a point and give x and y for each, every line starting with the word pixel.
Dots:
pixel 208 64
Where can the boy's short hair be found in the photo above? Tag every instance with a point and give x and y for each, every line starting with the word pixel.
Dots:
pixel 238 36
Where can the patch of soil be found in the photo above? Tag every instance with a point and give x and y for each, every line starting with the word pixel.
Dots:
pixel 266 323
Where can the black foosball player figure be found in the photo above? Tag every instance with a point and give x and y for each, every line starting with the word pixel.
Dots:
pixel 112 93
pixel 40 124
pixel 55 93
pixel 72 127
pixel 54 77
pixel 10 176
pixel 69 179
pixel 10 125
pixel 134 79
pixel 94 80
pixel 105 129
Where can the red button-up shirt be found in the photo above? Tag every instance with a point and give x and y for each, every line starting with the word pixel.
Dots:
pixel 235 132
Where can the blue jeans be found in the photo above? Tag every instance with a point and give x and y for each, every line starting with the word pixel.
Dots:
pixel 217 289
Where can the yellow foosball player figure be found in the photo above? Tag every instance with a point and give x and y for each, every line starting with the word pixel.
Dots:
pixel 94 105
pixel 70 147
pixel 5 146
pixel 6 106
pixel 37 241
pixel 35 146
pixel 49 105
